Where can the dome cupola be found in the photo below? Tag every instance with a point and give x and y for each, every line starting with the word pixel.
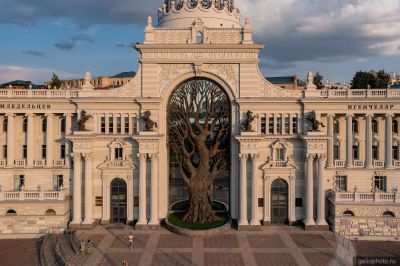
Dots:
pixel 214 13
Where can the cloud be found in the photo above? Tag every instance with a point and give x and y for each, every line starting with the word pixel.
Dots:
pixel 35 53
pixel 36 75
pixel 73 41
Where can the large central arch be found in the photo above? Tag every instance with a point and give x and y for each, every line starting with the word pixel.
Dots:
pixel 199 141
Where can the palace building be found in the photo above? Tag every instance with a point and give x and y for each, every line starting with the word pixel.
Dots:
pixel 77 157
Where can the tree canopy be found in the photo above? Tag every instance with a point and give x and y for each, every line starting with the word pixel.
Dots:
pixel 55 81
pixel 318 81
pixel 364 80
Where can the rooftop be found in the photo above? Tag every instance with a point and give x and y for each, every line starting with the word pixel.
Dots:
pixel 20 83
pixel 129 74
pixel 286 80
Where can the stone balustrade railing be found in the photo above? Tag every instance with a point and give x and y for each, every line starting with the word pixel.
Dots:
pixel 345 93
pixel 59 162
pixel 32 195
pixel 36 163
pixel 358 197
pixel 379 164
pixel 340 163
pixel 13 93
pixel 358 163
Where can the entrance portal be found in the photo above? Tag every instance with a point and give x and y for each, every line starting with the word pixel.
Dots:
pixel 279 201
pixel 118 201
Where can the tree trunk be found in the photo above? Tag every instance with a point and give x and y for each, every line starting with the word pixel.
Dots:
pixel 200 209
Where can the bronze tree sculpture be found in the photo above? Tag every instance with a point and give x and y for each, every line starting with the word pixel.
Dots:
pixel 311 117
pixel 149 124
pixel 199 120
pixel 247 124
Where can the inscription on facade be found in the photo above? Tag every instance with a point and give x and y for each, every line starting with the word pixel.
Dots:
pixel 25 106
pixel 370 106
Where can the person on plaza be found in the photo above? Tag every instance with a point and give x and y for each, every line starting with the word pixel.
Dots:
pixel 89 246
pixel 124 263
pixel 83 247
pixel 130 241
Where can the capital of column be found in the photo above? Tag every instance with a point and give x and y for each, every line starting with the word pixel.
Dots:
pixel 49 114
pixel 266 178
pixel 67 115
pixel 142 156
pixel 10 115
pixel 389 115
pixel 153 156
pixel 29 115
pixel 87 156
pixel 321 157
pixel 310 156
pixel 254 156
pixel 349 115
pixel 76 155
pixel 243 156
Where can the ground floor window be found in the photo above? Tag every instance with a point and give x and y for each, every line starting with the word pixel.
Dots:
pixel 341 183
pixel 380 183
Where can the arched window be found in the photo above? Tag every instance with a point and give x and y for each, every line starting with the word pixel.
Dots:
pixel 11 213
pixel 395 125
pixel 25 124
pixel 388 214
pixel 355 125
pixel 199 37
pixel 375 126
pixel 375 150
pixel 356 150
pixel 336 126
pixel 348 214
pixel 336 150
pixel 50 212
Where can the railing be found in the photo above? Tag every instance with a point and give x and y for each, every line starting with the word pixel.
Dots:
pixel 58 162
pixel 358 163
pixel 349 93
pixel 396 163
pixel 379 164
pixel 39 163
pixel 32 195
pixel 38 93
pixel 279 164
pixel 20 162
pixel 3 163
pixel 340 163
pixel 377 196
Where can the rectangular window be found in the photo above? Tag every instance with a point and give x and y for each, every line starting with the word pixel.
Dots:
pixel 118 154
pixel 44 125
pixel 299 202
pixel 294 125
pixel 62 125
pixel 25 125
pixel 126 123
pixel 119 125
pixel 58 181
pixel 355 153
pixel 111 124
pixel 375 126
pixel 263 125
pixel 336 127
pixel 24 151
pixel 395 126
pixel 396 153
pixel 380 183
pixel 44 152
pixel 5 124
pixel 279 125
pixel 341 183
pixel 271 125
pixel 287 125
pixel 103 124
pixel 260 202
pixel 19 181
pixel 134 124
pixel 280 154
pixel 4 149
pixel 336 152
pixel 62 151
pixel 375 152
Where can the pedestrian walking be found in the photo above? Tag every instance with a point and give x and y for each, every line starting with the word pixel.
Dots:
pixel 124 263
pixel 130 241
pixel 89 246
pixel 83 247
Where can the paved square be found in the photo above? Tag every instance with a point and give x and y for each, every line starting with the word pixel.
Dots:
pixel 310 241
pixel 174 241
pixel 221 241
pixel 265 241
pixel 320 258
pixel 274 259
pixel 94 238
pixel 121 241
pixel 116 258
pixel 223 259
pixel 171 259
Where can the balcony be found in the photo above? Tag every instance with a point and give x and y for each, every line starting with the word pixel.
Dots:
pixel 345 93
pixel 358 163
pixel 39 163
pixel 379 164
pixel 59 163
pixel 3 163
pixel 340 163
pixel 20 163
pixel 361 197
pixel 12 93
pixel 32 195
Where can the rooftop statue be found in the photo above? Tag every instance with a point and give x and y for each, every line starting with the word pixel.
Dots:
pixel 82 122
pixel 148 123
pixel 311 117
pixel 247 124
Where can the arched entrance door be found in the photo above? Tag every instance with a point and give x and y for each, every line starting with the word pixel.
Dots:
pixel 279 201
pixel 118 201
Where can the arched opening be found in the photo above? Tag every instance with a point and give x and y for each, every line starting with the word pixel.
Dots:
pixel 388 214
pixel 199 135
pixel 50 212
pixel 118 201
pixel 279 201
pixel 199 37
pixel 11 213
pixel 348 213
pixel 356 150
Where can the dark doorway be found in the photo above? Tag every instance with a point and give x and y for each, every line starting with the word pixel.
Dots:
pixel 118 201
pixel 279 201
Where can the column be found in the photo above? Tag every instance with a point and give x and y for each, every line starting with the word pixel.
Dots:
pixel 130 124
pixel 265 192
pixel 142 190
pixel 254 189
pixel 77 193
pixel 275 123
pixel 283 126
pixel 130 200
pixel 68 123
pixel 321 192
pixel 106 117
pixel 349 141
pixel 243 190
pixel 389 141
pixel 368 142
pixel 105 217
pixel 310 191
pixel 88 190
pixel 30 140
pixel 10 140
pixel 330 141
pixel 291 116
pixel 154 191
pixel 49 140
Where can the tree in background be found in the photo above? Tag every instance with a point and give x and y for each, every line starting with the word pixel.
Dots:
pixel 318 81
pixel 382 79
pixel 55 81
pixel 363 80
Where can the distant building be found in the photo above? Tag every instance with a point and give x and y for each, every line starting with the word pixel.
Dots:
pixel 20 84
pixel 288 82
pixel 336 85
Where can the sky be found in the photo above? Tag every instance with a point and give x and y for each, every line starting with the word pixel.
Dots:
pixel 334 37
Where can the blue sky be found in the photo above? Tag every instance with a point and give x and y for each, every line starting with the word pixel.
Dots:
pixel 334 37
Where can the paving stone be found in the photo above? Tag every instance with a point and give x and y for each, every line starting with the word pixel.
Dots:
pixel 310 241
pixel 116 258
pixel 221 241
pixel 265 241
pixel 171 259
pixel 223 259
pixel 174 241
pixel 94 238
pixel 278 259
pixel 121 241
pixel 377 248
pixel 320 258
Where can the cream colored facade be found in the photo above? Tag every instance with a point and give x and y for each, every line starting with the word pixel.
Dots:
pixel 347 168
